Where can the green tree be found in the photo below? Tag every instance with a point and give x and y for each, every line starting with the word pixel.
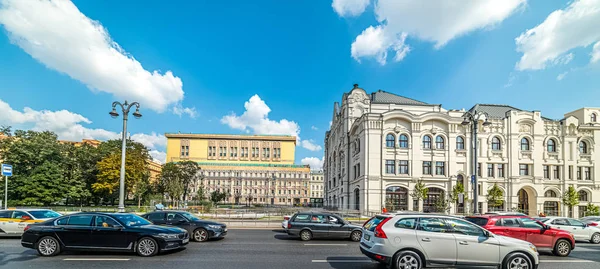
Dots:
pixel 170 181
pixel 571 199
pixel 420 192
pixel 495 196
pixel 189 174
pixel 592 210
pixel 200 196
pixel 46 186
pixel 217 196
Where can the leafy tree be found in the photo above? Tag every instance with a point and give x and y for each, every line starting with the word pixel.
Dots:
pixel 141 189
pixel 45 186
pixel 495 196
pixel 420 192
pixel 171 182
pixel 442 205
pixel 200 196
pixel 592 210
pixel 217 196
pixel 571 199
pixel 189 173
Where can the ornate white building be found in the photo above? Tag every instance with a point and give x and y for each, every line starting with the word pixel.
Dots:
pixel 381 145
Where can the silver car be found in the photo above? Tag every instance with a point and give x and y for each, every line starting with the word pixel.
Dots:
pixel 414 241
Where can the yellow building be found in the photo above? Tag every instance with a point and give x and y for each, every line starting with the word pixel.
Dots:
pixel 251 168
pixel 155 168
pixel 91 142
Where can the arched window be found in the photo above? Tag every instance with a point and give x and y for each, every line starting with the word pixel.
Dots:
pixel 439 142
pixel 403 141
pixel 551 145
pixel 583 196
pixel 524 143
pixel 427 142
pixel 496 143
pixel 583 147
pixel 396 198
pixel 390 140
pixel 550 193
pixel 593 117
pixel 460 142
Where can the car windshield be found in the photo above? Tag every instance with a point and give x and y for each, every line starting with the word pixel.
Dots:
pixel 131 220
pixel 44 214
pixel 372 223
pixel 189 216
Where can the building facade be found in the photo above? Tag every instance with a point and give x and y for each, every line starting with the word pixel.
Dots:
pixel 316 188
pixel 252 169
pixel 381 145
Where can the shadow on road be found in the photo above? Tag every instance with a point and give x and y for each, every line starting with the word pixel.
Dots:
pixel 17 257
pixel 285 237
pixel 353 262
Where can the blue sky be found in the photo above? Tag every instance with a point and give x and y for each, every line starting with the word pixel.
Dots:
pixel 277 66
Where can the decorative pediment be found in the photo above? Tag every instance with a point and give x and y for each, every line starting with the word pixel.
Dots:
pixel 525 128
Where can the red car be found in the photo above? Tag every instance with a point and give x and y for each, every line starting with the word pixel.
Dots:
pixel 525 228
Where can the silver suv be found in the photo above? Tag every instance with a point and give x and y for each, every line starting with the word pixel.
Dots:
pixel 414 241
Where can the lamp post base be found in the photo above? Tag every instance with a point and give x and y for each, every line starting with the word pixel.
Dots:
pixel 121 209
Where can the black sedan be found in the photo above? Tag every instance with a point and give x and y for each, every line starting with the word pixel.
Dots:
pixel 201 230
pixel 102 231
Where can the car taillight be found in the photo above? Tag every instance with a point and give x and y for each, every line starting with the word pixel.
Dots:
pixel 286 218
pixel 289 225
pixel 26 228
pixel 593 224
pixel 378 231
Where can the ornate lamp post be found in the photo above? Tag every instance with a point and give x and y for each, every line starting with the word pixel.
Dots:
pixel 473 118
pixel 125 109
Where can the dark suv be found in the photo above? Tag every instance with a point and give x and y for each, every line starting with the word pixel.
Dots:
pixel 309 225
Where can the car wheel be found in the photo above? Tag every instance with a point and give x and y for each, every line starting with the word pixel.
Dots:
pixel 305 235
pixel 517 261
pixel 562 248
pixel 200 235
pixel 48 246
pixel 147 247
pixel 408 260
pixel 355 236
pixel 595 238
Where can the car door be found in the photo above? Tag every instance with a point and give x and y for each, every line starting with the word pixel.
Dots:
pixel 6 222
pixel 338 227
pixel 75 231
pixel 20 219
pixel 157 218
pixel 473 246
pixel 108 233
pixel 436 240
pixel 509 227
pixel 299 222
pixel 319 225
pixel 176 219
pixel 536 233
pixel 560 223
pixel 579 230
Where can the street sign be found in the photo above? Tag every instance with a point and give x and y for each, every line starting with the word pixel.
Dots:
pixel 7 170
pixel 473 179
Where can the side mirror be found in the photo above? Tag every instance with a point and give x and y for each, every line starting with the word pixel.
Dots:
pixel 118 227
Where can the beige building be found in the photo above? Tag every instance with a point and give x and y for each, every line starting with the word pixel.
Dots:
pixel 253 169
pixel 381 144
pixel 316 188
pixel 154 168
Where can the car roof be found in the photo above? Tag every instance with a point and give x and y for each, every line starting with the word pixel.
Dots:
pixel 26 209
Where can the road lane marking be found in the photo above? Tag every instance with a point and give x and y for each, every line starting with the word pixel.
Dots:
pixel 95 259
pixel 342 261
pixel 565 261
pixel 325 244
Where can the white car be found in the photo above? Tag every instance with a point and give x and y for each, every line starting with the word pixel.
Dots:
pixel 284 223
pixel 13 221
pixel 591 220
pixel 581 231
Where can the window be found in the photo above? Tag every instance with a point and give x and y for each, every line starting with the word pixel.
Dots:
pixel 426 168
pixel 593 117
pixel 212 151
pixel 390 140
pixel 156 217
pixel 409 223
pixel 318 219
pixel 434 225
pixel 574 222
pixel 277 153
pixel 222 151
pixel 5 214
pixel 570 172
pixel 19 214
pixel 427 142
pixel 403 141
pixel 546 172
pixel 106 222
pixel 440 168
pixel 587 173
pixel 530 223
pixel 550 193
pixel 439 142
pixel 524 143
pixel 583 147
pixel 464 228
pixel 583 196
pixel 508 222
pixel 185 151
pixel 301 217
pixel 81 220
pixel 523 169
pixel 403 167
pixel 490 172
pixel 390 167
pixel 62 221
pixel 496 143
pixel 460 142
pixel 551 145
pixel 578 173
pixel 560 222
pixel 556 172
pixel 478 169
pixel 500 170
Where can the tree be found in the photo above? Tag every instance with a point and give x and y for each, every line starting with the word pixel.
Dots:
pixel 200 196
pixel 45 186
pixel 592 210
pixel 420 192
pixel 237 196
pixel 495 196
pixel 170 180
pixel 217 196
pixel 189 172
pixel 571 199
pixel 442 205
pixel 141 189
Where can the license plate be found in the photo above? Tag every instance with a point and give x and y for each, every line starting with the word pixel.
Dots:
pixel 367 237
pixel 186 240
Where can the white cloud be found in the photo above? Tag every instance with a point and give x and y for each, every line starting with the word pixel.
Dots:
pixel 561 76
pixel 349 8
pixel 563 30
pixel 158 156
pixel 314 162
pixel 58 35
pixel 428 20
pixel 330 123
pixel 256 119
pixel 310 145
pixel 314 128
pixel 180 110
pixel 151 140
pixel 596 53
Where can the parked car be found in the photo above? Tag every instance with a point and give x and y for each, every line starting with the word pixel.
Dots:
pixel 506 213
pixel 544 237
pixel 591 220
pixel 581 231
pixel 309 225
pixel 418 240
pixel 14 221
pixel 284 223
pixel 200 230
pixel 102 231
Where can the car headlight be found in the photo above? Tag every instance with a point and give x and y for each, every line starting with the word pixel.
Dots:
pixel 214 226
pixel 532 247
pixel 168 236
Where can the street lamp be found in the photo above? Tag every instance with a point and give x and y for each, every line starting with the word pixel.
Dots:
pixel 473 118
pixel 125 109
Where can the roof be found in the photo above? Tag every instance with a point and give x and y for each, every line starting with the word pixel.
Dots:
pixel 233 137
pixel 383 97
pixel 498 111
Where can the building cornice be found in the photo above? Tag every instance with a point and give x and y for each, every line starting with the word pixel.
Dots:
pixel 234 137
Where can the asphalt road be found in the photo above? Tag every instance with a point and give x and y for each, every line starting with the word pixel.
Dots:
pixel 244 249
